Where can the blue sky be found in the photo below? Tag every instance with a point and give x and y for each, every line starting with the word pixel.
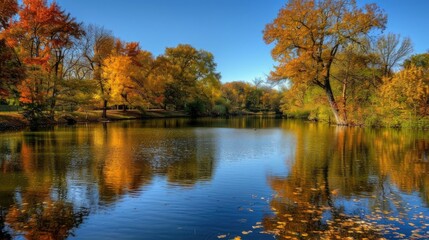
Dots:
pixel 230 29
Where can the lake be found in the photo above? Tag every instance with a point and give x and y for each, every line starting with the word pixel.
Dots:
pixel 248 178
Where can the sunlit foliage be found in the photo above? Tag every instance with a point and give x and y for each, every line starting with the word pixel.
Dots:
pixel 406 95
pixel 334 69
pixel 308 35
pixel 40 36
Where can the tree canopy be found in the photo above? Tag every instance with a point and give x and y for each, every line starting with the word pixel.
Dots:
pixel 309 34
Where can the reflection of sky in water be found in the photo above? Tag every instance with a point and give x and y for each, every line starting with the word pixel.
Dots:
pixel 229 203
pixel 181 179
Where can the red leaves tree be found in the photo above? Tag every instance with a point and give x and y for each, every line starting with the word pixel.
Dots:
pixel 11 69
pixel 41 35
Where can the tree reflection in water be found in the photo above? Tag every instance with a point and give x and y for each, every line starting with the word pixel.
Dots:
pixel 51 180
pixel 312 213
pixel 340 182
pixel 349 183
pixel 47 220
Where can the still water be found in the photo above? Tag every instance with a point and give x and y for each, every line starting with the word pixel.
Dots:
pixel 254 178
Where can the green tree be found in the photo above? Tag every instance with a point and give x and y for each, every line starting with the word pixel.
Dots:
pixel 193 77
pixel 418 60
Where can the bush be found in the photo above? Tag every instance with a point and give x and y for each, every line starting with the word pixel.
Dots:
pixel 220 110
pixel 196 108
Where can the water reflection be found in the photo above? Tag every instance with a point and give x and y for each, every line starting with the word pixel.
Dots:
pixel 51 180
pixel 347 182
pixel 336 183
pixel 47 220
pixel 254 122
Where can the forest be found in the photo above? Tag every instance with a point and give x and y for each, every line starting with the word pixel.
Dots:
pixel 335 63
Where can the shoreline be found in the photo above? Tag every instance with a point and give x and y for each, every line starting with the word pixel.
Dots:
pixel 14 121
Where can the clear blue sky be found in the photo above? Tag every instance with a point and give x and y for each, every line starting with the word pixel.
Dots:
pixel 230 29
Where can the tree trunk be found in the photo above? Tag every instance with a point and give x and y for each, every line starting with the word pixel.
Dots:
pixel 334 106
pixel 104 115
pixel 345 100
pixel 53 104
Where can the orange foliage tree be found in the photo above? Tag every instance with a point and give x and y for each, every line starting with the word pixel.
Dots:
pixel 130 75
pixel 40 36
pixel 118 70
pixel 11 69
pixel 8 8
pixel 308 34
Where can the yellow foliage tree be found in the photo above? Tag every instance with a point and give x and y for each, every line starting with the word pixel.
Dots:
pixel 118 71
pixel 406 94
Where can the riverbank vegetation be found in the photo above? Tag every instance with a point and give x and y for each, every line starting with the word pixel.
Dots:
pixel 341 68
pixel 336 64
pixel 51 64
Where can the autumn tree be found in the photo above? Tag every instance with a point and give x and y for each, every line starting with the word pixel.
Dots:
pixel 271 99
pixel 255 96
pixel 403 98
pixel 308 34
pixel 134 77
pixel 357 77
pixel 8 8
pixel 12 71
pixel 236 94
pixel 153 75
pixel 11 68
pixel 119 71
pixel 97 45
pixel 41 35
pixel 406 95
